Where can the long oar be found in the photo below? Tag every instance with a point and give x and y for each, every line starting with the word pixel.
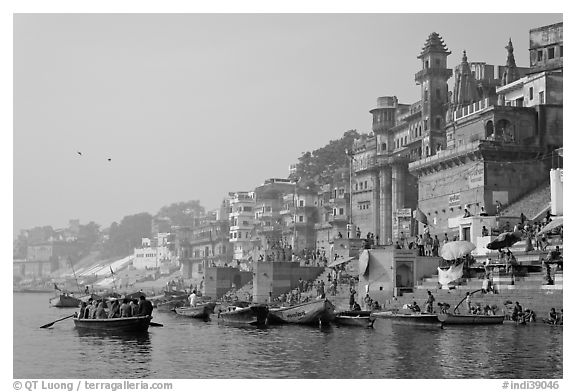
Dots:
pixel 53 322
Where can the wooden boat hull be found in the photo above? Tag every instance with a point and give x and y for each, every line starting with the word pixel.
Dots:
pixel 251 315
pixel 170 305
pixel 124 324
pixel 469 319
pixel 198 311
pixel 314 312
pixel 65 301
pixel 355 318
pixel 408 318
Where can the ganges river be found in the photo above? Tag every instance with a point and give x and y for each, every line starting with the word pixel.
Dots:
pixel 187 348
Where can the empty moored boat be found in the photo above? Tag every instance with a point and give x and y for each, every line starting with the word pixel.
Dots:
pixel 313 312
pixel 355 318
pixel 198 311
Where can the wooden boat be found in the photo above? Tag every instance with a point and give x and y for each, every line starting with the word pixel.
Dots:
pixel 408 318
pixel 469 319
pixel 65 301
pixel 124 324
pixel 169 305
pixel 249 315
pixel 355 318
pixel 313 312
pixel 198 311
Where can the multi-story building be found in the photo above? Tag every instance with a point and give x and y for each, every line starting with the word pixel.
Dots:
pixel 206 244
pixel 299 214
pixel 241 215
pixel 268 221
pixel 333 204
pixel 450 150
pixel 498 148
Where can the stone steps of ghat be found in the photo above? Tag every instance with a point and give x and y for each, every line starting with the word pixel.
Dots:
pixel 531 204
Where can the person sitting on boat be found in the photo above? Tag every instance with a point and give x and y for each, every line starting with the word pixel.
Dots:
pixel 92 309
pixel 145 307
pixel 356 306
pixel 517 312
pixel 376 306
pixel 114 309
pixel 125 308
pixel 414 307
pixel 82 311
pixel 100 311
pixel 192 298
pixel 443 307
pixel 134 307
pixel 553 317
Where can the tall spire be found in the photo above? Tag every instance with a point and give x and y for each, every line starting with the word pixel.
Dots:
pixel 465 87
pixel 511 71
pixel 434 43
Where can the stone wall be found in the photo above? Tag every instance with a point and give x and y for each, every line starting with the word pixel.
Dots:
pixel 279 277
pixel 218 280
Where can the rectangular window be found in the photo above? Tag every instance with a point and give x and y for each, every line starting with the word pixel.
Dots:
pixel 301 203
pixel 541 97
pixel 540 55
pixel 520 102
pixel 561 50
pixel 239 234
pixel 426 124
pixel 365 184
pixel 248 209
pixel 425 95
pixel 550 53
pixel 300 218
pixel 531 93
pixel 341 211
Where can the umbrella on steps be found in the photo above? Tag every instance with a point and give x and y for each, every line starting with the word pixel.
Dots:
pixel 456 249
pixel 551 226
pixel 504 240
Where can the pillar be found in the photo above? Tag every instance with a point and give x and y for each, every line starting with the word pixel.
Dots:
pixel 386 202
pixel 398 187
pixel 376 205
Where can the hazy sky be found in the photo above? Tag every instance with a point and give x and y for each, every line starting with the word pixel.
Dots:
pixel 192 106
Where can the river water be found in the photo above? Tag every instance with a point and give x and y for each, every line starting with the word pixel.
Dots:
pixel 187 348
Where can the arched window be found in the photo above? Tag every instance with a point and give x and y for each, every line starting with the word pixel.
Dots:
pixel 503 128
pixel 489 128
pixel 427 151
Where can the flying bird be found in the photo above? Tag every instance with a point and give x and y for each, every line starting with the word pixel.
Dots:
pixel 79 153
pixel 109 159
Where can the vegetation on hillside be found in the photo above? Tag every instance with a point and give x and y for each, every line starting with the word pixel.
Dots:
pixel 319 166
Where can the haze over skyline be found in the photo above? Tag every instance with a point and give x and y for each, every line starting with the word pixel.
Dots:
pixel 193 106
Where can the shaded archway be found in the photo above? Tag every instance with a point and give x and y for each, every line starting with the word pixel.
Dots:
pixel 489 128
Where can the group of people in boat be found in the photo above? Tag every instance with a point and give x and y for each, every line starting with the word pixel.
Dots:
pixel 98 309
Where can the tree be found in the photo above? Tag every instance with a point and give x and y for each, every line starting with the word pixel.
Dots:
pixel 128 234
pixel 182 213
pixel 320 165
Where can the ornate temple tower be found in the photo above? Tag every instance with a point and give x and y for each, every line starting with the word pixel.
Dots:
pixel 433 79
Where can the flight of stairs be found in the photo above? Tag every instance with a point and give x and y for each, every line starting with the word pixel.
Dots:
pixel 532 204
